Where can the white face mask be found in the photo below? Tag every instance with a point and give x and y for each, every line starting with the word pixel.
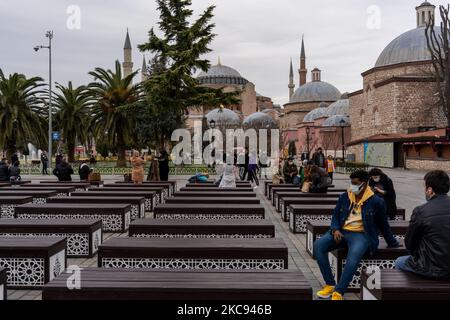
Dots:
pixel 356 190
pixel 376 179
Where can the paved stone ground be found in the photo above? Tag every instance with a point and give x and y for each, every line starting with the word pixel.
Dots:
pixel 408 184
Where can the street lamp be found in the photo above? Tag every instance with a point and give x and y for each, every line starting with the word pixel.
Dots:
pixel 342 123
pixel 49 35
pixel 308 130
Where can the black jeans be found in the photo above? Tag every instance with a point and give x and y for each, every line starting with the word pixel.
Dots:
pixel 330 174
pixel 44 168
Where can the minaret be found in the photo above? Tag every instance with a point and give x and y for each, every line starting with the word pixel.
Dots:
pixel 291 85
pixel 302 71
pixel 127 65
pixel 144 71
pixel 425 14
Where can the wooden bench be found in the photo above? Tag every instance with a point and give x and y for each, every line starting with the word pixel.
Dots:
pixel 398 285
pixel 166 187
pixel 172 183
pixel 7 205
pixel 211 185
pixel 383 258
pixel 316 229
pixel 115 217
pixel 83 236
pixel 130 253
pixel 79 186
pixel 208 211
pixel 186 228
pixel 39 196
pixel 61 191
pixel 137 203
pixel 216 189
pixel 213 200
pixel 20 182
pixel 206 194
pixel 56 182
pixel 149 196
pixel 182 285
pixel 155 192
pixel 270 188
pixel 277 194
pixel 5 184
pixel 32 262
pixel 3 280
pixel 299 215
pixel 285 202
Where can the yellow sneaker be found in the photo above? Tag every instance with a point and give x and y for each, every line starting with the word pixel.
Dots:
pixel 326 292
pixel 337 296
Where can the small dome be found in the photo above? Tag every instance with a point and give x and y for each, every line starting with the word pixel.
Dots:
pixel 335 121
pixel 220 74
pixel 259 120
pixel 340 107
pixel 411 46
pixel 222 117
pixel 315 114
pixel 316 91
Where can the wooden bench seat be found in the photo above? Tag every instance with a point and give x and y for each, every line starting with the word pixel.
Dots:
pixel 56 182
pixel 383 258
pixel 5 184
pixel 399 285
pixel 285 202
pixel 278 193
pixel 172 183
pixel 183 285
pixel 83 236
pixel 115 217
pixel 3 281
pixel 299 215
pixel 156 192
pixel 316 229
pixel 217 189
pixel 270 187
pixel 137 203
pixel 209 211
pixel 8 203
pixel 167 187
pixel 270 253
pixel 39 196
pixel 212 200
pixel 61 191
pixel 212 185
pixel 209 194
pixel 79 186
pixel 32 262
pixel 188 228
pixel 149 196
pixel 20 182
pixel 294 194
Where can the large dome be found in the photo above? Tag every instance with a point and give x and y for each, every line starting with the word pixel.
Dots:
pixel 411 46
pixel 315 91
pixel 223 117
pixel 337 121
pixel 259 120
pixel 315 114
pixel 340 107
pixel 220 74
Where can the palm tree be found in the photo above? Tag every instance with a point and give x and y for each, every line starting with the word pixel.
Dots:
pixel 72 114
pixel 22 117
pixel 112 121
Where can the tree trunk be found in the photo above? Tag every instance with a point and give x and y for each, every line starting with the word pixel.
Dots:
pixel 121 148
pixel 71 150
pixel 10 149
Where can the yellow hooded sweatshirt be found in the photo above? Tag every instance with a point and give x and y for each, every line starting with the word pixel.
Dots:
pixel 354 222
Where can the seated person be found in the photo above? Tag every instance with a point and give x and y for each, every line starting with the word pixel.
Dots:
pixel 319 180
pixel 357 220
pixel 428 236
pixel 199 178
pixel 290 170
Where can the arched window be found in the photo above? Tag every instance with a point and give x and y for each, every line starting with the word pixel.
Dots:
pixel 363 118
pixel 376 117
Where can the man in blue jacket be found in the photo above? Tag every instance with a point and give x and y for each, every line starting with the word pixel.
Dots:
pixel 358 218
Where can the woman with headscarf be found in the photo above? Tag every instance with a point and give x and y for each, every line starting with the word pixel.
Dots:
pixel 137 163
pixel 163 162
pixel 383 187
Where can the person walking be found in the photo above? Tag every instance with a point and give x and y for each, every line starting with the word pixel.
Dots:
pixel 153 170
pixel 383 187
pixel 252 170
pixel 163 162
pixel 319 158
pixel 331 167
pixel 428 236
pixel 44 162
pixel 63 171
pixel 137 172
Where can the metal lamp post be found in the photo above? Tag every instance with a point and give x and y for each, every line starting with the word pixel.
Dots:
pixel 342 123
pixel 49 35
pixel 308 130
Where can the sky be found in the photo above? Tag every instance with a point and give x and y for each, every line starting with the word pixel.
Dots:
pixel 256 37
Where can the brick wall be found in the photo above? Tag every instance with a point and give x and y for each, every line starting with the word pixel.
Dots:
pixel 428 165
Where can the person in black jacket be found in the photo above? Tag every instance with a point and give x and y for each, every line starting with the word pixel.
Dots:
pixel 84 170
pixel 44 160
pixel 163 162
pixel 63 171
pixel 428 236
pixel 383 187
pixel 4 170
pixel 319 178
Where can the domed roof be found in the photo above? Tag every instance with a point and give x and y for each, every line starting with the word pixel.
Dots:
pixel 315 91
pixel 335 121
pixel 315 114
pixel 340 107
pixel 259 119
pixel 220 74
pixel 223 116
pixel 411 46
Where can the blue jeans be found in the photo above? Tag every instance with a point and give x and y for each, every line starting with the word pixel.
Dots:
pixel 357 244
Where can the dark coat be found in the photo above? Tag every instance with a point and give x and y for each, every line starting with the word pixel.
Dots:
pixel 63 171
pixel 319 160
pixel 4 172
pixel 428 238
pixel 389 197
pixel 84 172
pixel 163 163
